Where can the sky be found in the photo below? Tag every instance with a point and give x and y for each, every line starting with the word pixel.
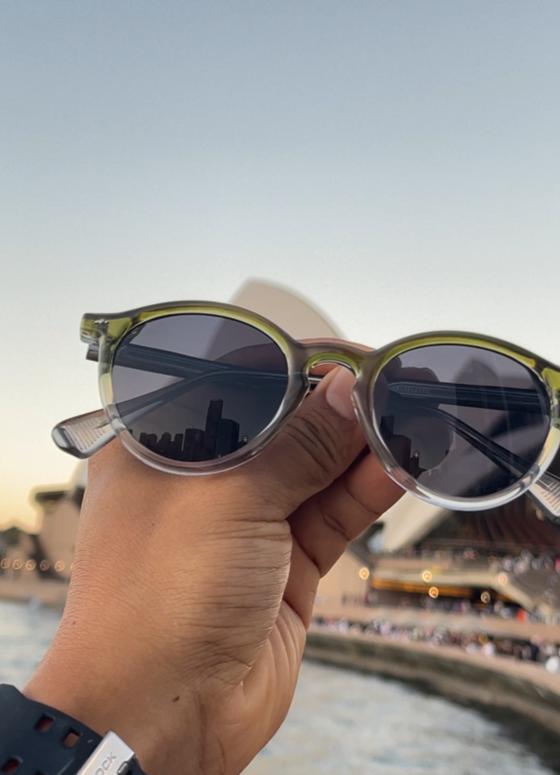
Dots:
pixel 397 163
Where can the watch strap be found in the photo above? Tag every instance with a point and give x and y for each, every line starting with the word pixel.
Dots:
pixel 36 739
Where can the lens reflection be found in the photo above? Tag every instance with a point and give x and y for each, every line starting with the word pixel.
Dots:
pixel 197 387
pixel 461 420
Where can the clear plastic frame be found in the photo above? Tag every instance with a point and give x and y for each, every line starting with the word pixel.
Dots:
pixel 85 434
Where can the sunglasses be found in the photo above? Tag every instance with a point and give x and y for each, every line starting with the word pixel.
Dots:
pixel 459 420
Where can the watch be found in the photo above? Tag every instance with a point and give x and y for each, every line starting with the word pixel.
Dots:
pixel 36 739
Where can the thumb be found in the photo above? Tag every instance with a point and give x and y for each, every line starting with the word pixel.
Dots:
pixel 317 444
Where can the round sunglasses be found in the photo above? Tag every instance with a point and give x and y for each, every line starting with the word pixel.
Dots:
pixel 459 420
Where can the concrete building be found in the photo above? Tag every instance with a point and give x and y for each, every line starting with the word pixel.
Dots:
pixel 48 554
pixel 510 555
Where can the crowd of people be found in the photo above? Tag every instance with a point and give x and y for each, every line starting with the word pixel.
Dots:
pixel 540 559
pixel 534 650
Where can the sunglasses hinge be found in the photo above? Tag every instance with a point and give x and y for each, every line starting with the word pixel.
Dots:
pixel 92 353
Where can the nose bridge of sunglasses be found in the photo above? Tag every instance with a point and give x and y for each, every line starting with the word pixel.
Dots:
pixel 322 355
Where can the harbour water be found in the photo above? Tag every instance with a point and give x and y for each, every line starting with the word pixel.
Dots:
pixel 345 723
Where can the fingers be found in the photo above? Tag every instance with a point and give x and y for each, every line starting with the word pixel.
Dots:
pixel 323 527
pixel 315 471
pixel 316 446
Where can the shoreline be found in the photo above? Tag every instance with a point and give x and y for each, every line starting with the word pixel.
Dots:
pixel 499 682
pixel 49 593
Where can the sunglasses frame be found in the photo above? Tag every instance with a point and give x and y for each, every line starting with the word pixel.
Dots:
pixel 104 333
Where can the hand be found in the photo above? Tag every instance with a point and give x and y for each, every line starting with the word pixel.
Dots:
pixel 190 596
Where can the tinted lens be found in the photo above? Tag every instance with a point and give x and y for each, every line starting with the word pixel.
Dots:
pixel 461 420
pixel 197 387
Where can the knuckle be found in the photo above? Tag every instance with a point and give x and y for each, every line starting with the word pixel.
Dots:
pixel 317 439
pixel 363 510
pixel 323 556
pixel 336 525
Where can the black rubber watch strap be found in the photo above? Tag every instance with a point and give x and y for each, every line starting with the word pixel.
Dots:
pixel 36 739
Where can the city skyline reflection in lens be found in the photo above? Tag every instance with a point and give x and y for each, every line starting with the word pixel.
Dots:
pixel 461 420
pixel 197 387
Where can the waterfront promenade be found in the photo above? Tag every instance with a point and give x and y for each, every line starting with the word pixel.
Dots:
pixel 344 638
pixel 468 622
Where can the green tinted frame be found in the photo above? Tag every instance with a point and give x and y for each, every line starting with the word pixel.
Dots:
pixel 85 434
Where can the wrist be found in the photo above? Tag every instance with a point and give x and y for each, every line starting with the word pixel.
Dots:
pixel 163 740
pixel 35 737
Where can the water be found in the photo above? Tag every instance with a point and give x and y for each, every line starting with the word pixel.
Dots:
pixel 25 633
pixel 343 723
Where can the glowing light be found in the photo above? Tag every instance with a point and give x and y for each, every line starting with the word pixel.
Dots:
pixel 485 597
pixel 44 565
pixel 426 576
pixel 503 578
pixel 30 565
pixel 4 564
pixel 59 566
pixel 17 565
pixel 364 573
pixel 433 592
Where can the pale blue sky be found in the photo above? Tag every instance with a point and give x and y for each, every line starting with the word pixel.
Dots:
pixel 396 162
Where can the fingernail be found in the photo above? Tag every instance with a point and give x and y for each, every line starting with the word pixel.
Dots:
pixel 338 393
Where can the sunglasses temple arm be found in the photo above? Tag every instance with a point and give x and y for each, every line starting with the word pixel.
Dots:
pixel 545 492
pixel 83 435
pixel 151 359
pixel 173 364
pixel 495 452
pixel 457 394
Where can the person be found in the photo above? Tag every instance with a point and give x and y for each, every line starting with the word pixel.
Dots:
pixel 552 663
pixel 190 597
